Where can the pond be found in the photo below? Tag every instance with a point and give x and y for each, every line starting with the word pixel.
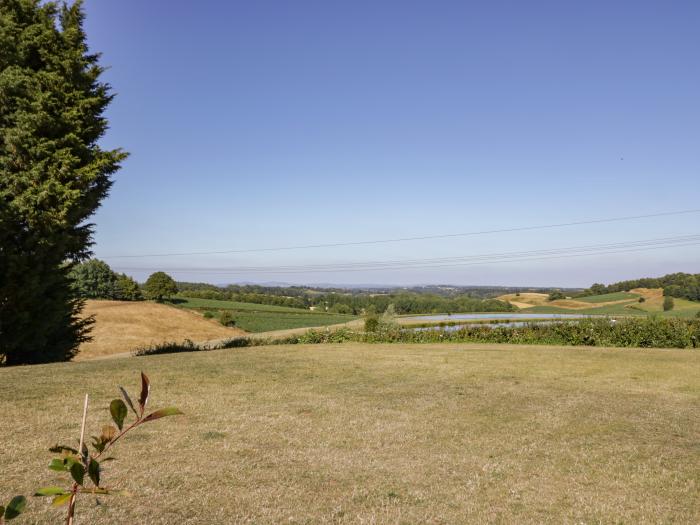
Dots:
pixel 506 315
pixel 455 327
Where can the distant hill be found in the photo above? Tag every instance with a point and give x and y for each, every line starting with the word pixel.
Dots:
pixel 637 301
pixel 681 285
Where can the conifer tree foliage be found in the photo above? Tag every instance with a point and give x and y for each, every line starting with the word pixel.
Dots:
pixel 53 175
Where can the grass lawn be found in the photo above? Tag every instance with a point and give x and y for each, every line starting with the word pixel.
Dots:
pixel 376 434
pixel 262 317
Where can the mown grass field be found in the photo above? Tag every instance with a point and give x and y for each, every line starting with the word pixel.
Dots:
pixel 264 318
pixel 376 434
pixel 617 296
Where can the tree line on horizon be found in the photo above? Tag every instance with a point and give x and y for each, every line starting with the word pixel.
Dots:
pixel 679 285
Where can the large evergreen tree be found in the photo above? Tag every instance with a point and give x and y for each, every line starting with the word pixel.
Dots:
pixel 53 175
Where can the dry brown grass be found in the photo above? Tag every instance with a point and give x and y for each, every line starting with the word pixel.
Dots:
pixel 525 299
pixel 366 434
pixel 122 326
pixel 528 300
pixel 653 297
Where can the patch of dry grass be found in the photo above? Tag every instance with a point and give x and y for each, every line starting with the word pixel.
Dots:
pixel 378 434
pixel 122 326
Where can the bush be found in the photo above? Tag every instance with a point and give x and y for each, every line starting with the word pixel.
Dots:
pixel 556 295
pixel 668 303
pixel 226 318
pixel 167 348
pixel 208 314
pixel 641 300
pixel 371 324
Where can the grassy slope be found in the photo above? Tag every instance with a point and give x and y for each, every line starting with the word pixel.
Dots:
pixel 377 434
pixel 617 296
pixel 122 326
pixel 263 318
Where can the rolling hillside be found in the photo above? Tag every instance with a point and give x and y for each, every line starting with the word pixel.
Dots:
pixel 615 303
pixel 122 326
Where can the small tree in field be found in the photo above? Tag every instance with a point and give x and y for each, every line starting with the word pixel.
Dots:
pixel 668 303
pixel 84 466
pixel 160 286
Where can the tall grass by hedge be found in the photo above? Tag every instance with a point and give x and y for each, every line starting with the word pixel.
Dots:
pixel 646 332
pixel 633 332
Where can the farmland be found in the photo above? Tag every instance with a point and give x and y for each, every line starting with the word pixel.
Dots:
pixel 263 318
pixel 613 304
pixel 376 434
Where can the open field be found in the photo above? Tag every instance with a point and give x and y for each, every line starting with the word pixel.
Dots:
pixel 618 303
pixel 122 326
pixel 608 297
pixel 376 434
pixel 264 318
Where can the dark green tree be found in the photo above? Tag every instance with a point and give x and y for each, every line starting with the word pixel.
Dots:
pixel 555 295
pixel 94 279
pixel 159 286
pixel 53 175
pixel 128 289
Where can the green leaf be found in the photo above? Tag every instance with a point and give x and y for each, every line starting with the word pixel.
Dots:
pixel 118 410
pixel 94 472
pixel 163 412
pixel 145 391
pixel 51 491
pixel 77 472
pixel 57 464
pixel 61 500
pixel 96 490
pixel 128 400
pixel 15 507
pixel 62 448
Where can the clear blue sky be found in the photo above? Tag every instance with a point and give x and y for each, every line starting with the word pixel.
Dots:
pixel 257 124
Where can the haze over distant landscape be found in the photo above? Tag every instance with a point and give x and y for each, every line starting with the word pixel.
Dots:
pixel 330 124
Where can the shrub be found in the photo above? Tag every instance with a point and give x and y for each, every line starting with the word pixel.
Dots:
pixel 167 348
pixel 668 303
pixel 236 342
pixel 641 300
pixel 553 296
pixel 340 308
pixel 371 324
pixel 226 318
pixel 208 314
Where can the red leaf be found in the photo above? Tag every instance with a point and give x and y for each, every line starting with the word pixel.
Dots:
pixel 145 391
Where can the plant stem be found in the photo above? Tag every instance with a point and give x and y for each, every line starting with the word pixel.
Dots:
pixel 74 488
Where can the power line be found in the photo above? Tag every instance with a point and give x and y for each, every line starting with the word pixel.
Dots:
pixel 443 262
pixel 417 238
